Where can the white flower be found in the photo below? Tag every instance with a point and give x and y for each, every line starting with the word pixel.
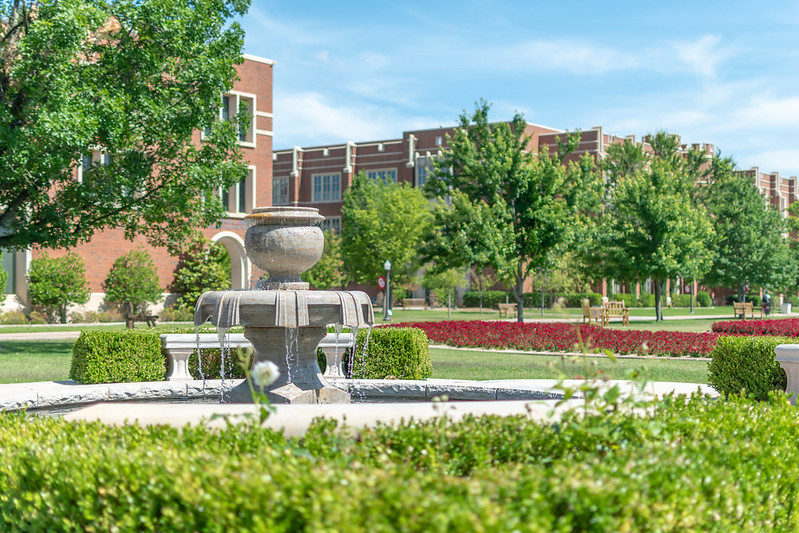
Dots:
pixel 264 373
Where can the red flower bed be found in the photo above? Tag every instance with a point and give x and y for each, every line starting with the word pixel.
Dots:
pixel 787 327
pixel 563 337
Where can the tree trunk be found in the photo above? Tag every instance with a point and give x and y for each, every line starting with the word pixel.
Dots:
pixel 658 306
pixel 742 293
pixel 518 292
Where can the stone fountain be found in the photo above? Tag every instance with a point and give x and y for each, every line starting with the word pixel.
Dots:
pixel 282 318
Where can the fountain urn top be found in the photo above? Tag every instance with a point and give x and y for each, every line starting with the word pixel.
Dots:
pixel 284 241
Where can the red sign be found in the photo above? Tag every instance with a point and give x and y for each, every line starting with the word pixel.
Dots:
pixel 381 282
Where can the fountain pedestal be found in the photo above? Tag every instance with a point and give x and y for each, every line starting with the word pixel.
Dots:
pixel 285 322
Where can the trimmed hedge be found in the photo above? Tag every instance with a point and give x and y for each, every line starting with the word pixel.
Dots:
pixel 703 299
pixel 746 365
pixel 490 298
pixel 531 299
pixel 117 356
pixel 135 355
pixel 693 465
pixel 396 352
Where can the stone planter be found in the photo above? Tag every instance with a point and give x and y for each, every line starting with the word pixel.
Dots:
pixel 787 355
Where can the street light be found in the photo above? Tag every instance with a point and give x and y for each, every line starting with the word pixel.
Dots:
pixel 386 296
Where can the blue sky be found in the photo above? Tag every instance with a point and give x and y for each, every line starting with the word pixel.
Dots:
pixel 724 73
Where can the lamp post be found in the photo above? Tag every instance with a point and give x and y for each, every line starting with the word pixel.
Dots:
pixel 387 296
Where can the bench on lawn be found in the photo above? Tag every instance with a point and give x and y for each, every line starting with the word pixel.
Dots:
pixel 506 310
pixel 741 309
pixel 130 320
pixel 592 313
pixel 178 347
pixel 615 309
pixel 414 303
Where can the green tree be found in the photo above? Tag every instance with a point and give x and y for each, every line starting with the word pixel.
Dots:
pixel 133 282
pixel 134 79
pixel 328 273
pixel 443 283
pixel 201 268
pixel 652 226
pixel 382 221
pixel 749 247
pixel 532 204
pixel 56 282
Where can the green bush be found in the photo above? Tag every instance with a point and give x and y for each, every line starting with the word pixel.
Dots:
pixel 490 298
pixel 13 317
pixel 176 314
pixel 117 356
pixel 571 299
pixel 133 282
pixel 703 299
pixel 681 300
pixel 56 282
pixel 401 353
pixel 754 298
pixel 646 300
pixel 630 300
pixel 204 266
pixel 693 465
pixel 746 365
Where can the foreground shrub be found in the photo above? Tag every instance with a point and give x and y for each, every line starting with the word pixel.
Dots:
pixel 117 356
pixel 687 466
pixel 785 327
pixel 564 337
pixel 746 365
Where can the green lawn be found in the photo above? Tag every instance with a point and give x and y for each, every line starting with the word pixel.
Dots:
pixel 28 361
pixel 467 364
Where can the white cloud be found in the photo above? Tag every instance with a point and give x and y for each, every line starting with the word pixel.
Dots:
pixel 785 161
pixel 701 56
pixel 309 119
pixel 767 111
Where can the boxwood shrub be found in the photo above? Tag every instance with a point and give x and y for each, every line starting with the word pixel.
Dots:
pixel 686 466
pixel 135 355
pixel 397 352
pixel 117 356
pixel 746 365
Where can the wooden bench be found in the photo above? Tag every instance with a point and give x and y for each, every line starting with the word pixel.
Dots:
pixel 615 309
pixel 506 310
pixel 741 309
pixel 592 313
pixel 130 320
pixel 414 303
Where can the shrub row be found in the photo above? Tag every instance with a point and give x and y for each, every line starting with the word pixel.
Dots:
pixel 687 466
pixel 786 327
pixel 746 365
pixel 531 299
pixel 135 355
pixel 564 337
pixel 754 298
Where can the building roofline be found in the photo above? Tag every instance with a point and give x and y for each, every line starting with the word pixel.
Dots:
pixel 258 59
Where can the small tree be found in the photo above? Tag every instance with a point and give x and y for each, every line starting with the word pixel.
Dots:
pixel 201 268
pixel 328 273
pixel 133 282
pixel 443 284
pixel 56 282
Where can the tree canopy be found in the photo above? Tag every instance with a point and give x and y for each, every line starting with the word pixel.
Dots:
pixel 652 225
pixel 128 83
pixel 749 247
pixel 382 221
pixel 328 273
pixel 512 208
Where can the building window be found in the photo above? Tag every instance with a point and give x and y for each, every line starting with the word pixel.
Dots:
pixel 439 140
pixel 326 188
pixel 232 106
pixel 424 168
pixel 331 223
pixel 239 198
pixel 385 175
pixel 280 191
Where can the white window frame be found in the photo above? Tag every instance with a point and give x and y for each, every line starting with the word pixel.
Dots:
pixel 381 173
pixel 234 195
pixel 234 102
pixel 424 165
pixel 332 195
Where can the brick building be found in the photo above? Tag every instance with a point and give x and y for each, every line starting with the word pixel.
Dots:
pixel 253 90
